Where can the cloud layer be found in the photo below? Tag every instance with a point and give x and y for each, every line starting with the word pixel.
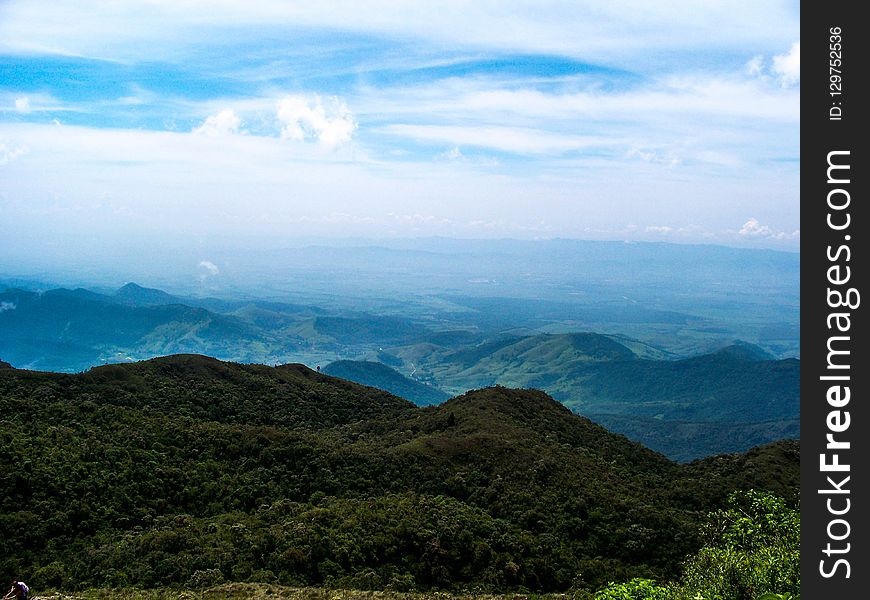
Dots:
pixel 625 119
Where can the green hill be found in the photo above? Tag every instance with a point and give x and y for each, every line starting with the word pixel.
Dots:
pixel 381 376
pixel 154 473
pixel 203 388
pixel 728 400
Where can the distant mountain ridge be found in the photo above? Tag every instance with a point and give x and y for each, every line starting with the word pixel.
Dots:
pixel 141 296
pixel 75 329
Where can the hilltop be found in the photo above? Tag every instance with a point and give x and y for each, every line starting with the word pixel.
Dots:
pixel 145 474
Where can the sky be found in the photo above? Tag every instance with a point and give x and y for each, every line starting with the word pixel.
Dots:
pixel 622 120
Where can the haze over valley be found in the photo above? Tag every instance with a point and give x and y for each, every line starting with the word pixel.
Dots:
pixel 669 344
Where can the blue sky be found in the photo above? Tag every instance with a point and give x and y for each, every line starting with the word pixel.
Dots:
pixel 674 121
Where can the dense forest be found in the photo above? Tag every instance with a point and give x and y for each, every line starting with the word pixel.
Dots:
pixel 187 471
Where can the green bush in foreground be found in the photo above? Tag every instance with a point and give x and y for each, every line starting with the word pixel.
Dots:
pixel 636 589
pixel 752 553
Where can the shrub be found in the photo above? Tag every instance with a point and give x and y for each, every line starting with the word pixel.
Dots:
pixel 206 578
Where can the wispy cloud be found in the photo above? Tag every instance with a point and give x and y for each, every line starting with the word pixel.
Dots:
pixel 209 267
pixel 618 30
pixel 456 156
pixel 223 123
pixel 666 158
pixel 573 114
pixel 504 139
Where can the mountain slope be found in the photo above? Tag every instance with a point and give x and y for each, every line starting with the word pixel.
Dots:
pixel 381 376
pixel 690 440
pixel 142 474
pixel 69 330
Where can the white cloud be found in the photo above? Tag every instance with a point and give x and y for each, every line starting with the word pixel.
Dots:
pixel 456 156
pixel 659 229
pixel 22 104
pixel 754 229
pixel 787 67
pixel 4 306
pixel 39 102
pixel 305 119
pixel 223 123
pixel 210 267
pixel 178 183
pixel 674 103
pixel 418 219
pixel 453 154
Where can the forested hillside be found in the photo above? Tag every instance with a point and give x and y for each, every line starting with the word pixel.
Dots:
pixel 177 470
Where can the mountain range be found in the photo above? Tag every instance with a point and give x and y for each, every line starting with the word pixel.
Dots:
pixel 158 472
pixel 729 400
pixel 687 407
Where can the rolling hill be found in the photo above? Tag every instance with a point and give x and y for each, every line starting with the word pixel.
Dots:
pixel 728 400
pixel 71 330
pixel 687 407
